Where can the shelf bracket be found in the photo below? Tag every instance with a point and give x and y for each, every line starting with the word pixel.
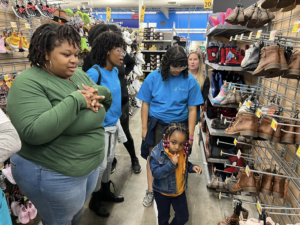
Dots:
pixel 283 151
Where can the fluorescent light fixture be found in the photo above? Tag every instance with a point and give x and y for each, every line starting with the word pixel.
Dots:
pixel 193 12
pixel 150 12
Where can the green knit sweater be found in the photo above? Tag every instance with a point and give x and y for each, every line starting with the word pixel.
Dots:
pixel 56 129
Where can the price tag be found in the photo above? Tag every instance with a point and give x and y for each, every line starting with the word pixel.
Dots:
pixel 226 181
pixel 235 142
pixel 258 206
pixel 258 35
pixel 86 34
pixel 6 77
pixel 230 38
pixel 221 116
pixel 9 83
pixel 97 13
pixel 13 24
pixel 27 25
pixel 274 124
pixel 220 196
pixel 239 154
pixel 1 166
pixel 240 105
pixel 71 3
pixel 248 104
pixel 285 191
pixel 91 9
pixel 25 198
pixel 298 151
pixel 236 36
pixel 273 35
pixel 215 169
pixel 258 113
pixel 81 34
pixel 234 90
pixel 78 7
pixel 296 27
pixel 247 171
pixel 250 35
pixel 225 121
pixel 221 153
pixel 242 35
pixel 207 4
pixel 217 141
pixel 83 7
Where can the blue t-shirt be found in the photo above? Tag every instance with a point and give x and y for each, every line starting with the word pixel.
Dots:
pixel 110 80
pixel 169 100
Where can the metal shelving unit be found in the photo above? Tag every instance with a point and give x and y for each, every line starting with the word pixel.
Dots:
pixel 216 66
pixel 210 97
pixel 227 30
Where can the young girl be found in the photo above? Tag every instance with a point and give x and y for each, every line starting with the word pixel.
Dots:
pixel 169 163
pixel 169 94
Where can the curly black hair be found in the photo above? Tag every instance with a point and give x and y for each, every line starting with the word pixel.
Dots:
pixel 175 126
pixel 47 37
pixel 99 29
pixel 175 56
pixel 103 44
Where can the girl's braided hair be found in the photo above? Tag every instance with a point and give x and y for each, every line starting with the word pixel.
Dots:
pixel 99 29
pixel 174 126
pixel 49 36
pixel 175 56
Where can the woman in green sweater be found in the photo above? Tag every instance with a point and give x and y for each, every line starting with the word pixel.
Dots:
pixel 58 112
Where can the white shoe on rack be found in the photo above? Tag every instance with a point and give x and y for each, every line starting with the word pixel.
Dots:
pixel 136 70
pixel 247 55
pixel 136 85
pixel 139 58
pixel 138 103
pixel 128 49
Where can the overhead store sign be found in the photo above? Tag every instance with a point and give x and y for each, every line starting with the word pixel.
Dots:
pixel 142 15
pixel 207 4
pixel 108 14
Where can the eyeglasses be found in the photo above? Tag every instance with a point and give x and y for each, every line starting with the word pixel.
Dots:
pixel 172 68
pixel 121 53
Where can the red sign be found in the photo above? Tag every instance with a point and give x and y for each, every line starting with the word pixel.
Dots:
pixel 135 16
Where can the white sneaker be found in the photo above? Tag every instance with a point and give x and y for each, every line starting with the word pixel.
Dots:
pixel 247 55
pixel 131 91
pixel 7 173
pixel 140 69
pixel 139 58
pixel 136 70
pixel 127 40
pixel 148 199
pixel 128 49
pixel 136 85
pixel 138 103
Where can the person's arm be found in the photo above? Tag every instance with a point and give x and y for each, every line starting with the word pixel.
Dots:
pixel 205 90
pixel 145 114
pixel 160 171
pixel 93 75
pixel 192 120
pixel 34 117
pixel 190 167
pixel 129 62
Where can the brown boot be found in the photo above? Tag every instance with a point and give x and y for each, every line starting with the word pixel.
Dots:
pixel 284 3
pixel 214 182
pixel 245 124
pixel 267 183
pixel 289 8
pixel 277 134
pixel 233 16
pixel 297 136
pixel 257 178
pixel 268 4
pixel 288 138
pixel 265 130
pixel 249 12
pixel 245 213
pixel 56 15
pixel 262 18
pixel 283 65
pixel 253 20
pixel 63 16
pixel 229 99
pixel 240 18
pixel 269 61
pixel 278 186
pixel 294 67
pixel 245 183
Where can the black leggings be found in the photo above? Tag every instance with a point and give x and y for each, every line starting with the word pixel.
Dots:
pixel 129 145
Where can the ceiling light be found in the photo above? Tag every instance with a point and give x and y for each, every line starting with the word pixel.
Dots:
pixel 194 12
pixel 150 12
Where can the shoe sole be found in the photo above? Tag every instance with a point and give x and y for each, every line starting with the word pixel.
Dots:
pixel 269 4
pixel 265 136
pixel 278 195
pixel 292 73
pixel 136 172
pixel 265 192
pixel 244 133
pixel 271 68
pixel 282 71
pixel 287 141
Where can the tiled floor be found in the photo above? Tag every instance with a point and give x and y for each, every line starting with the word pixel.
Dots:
pixel 204 207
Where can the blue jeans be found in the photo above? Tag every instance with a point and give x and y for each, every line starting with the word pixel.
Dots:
pixel 59 199
pixel 5 218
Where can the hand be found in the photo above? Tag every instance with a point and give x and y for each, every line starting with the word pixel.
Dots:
pixel 175 159
pixel 89 101
pixel 197 169
pixel 144 133
pixel 92 93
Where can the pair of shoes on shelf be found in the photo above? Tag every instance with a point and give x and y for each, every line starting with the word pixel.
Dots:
pixel 257 17
pixel 277 5
pixel 24 212
pixel 236 16
pixel 16 43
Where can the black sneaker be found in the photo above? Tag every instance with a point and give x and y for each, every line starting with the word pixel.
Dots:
pixel 136 167
pixel 113 166
pixel 15 9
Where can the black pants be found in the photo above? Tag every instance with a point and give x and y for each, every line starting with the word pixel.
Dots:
pixel 129 145
pixel 180 207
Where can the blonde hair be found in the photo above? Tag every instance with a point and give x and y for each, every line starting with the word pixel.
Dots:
pixel 200 76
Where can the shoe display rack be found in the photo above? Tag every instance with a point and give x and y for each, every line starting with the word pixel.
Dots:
pixel 280 94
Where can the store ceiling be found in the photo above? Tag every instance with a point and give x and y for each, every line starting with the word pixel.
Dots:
pixel 131 3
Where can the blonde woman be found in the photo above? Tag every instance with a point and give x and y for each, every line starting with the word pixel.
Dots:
pixel 196 66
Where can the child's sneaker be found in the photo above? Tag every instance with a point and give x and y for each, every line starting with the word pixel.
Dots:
pixel 23 215
pixel 32 212
pixel 2 47
pixel 149 198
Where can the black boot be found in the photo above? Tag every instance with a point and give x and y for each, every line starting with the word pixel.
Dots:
pixel 107 195
pixel 96 205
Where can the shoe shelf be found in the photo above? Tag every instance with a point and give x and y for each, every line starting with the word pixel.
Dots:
pixel 216 66
pixel 205 165
pixel 210 97
pixel 149 51
pixel 216 132
pixel 227 30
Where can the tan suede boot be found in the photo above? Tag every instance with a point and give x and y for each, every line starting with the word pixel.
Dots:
pixel 245 124
pixel 233 16
pixel 245 183
pixel 267 183
pixel 294 66
pixel 283 65
pixel 265 130
pixel 240 18
pixel 269 61
pixel 262 18
pixel 278 186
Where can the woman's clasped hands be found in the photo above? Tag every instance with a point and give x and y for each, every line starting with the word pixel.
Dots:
pixel 92 98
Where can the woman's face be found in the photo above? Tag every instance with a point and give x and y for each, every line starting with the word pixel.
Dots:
pixel 64 60
pixel 116 56
pixel 194 61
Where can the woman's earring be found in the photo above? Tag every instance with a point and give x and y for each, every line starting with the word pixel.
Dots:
pixel 50 65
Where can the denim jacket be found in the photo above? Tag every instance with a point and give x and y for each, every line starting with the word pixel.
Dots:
pixel 163 171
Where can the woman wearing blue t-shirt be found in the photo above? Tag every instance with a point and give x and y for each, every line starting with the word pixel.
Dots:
pixel 169 95
pixel 108 52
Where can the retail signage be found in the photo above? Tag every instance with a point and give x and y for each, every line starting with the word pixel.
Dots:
pixel 258 35
pixel 258 113
pixel 258 206
pixel 298 151
pixel 248 104
pixel 78 7
pixel 240 105
pixel 274 124
pixel 242 35
pixel 207 4
pixel 108 14
pixel 250 35
pixel 273 35
pixel 234 89
pixel 27 25
pixel 13 24
pixel 83 7
pixel 235 142
pixel 142 14
pixel 239 154
pixel 296 27
pixel 247 171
